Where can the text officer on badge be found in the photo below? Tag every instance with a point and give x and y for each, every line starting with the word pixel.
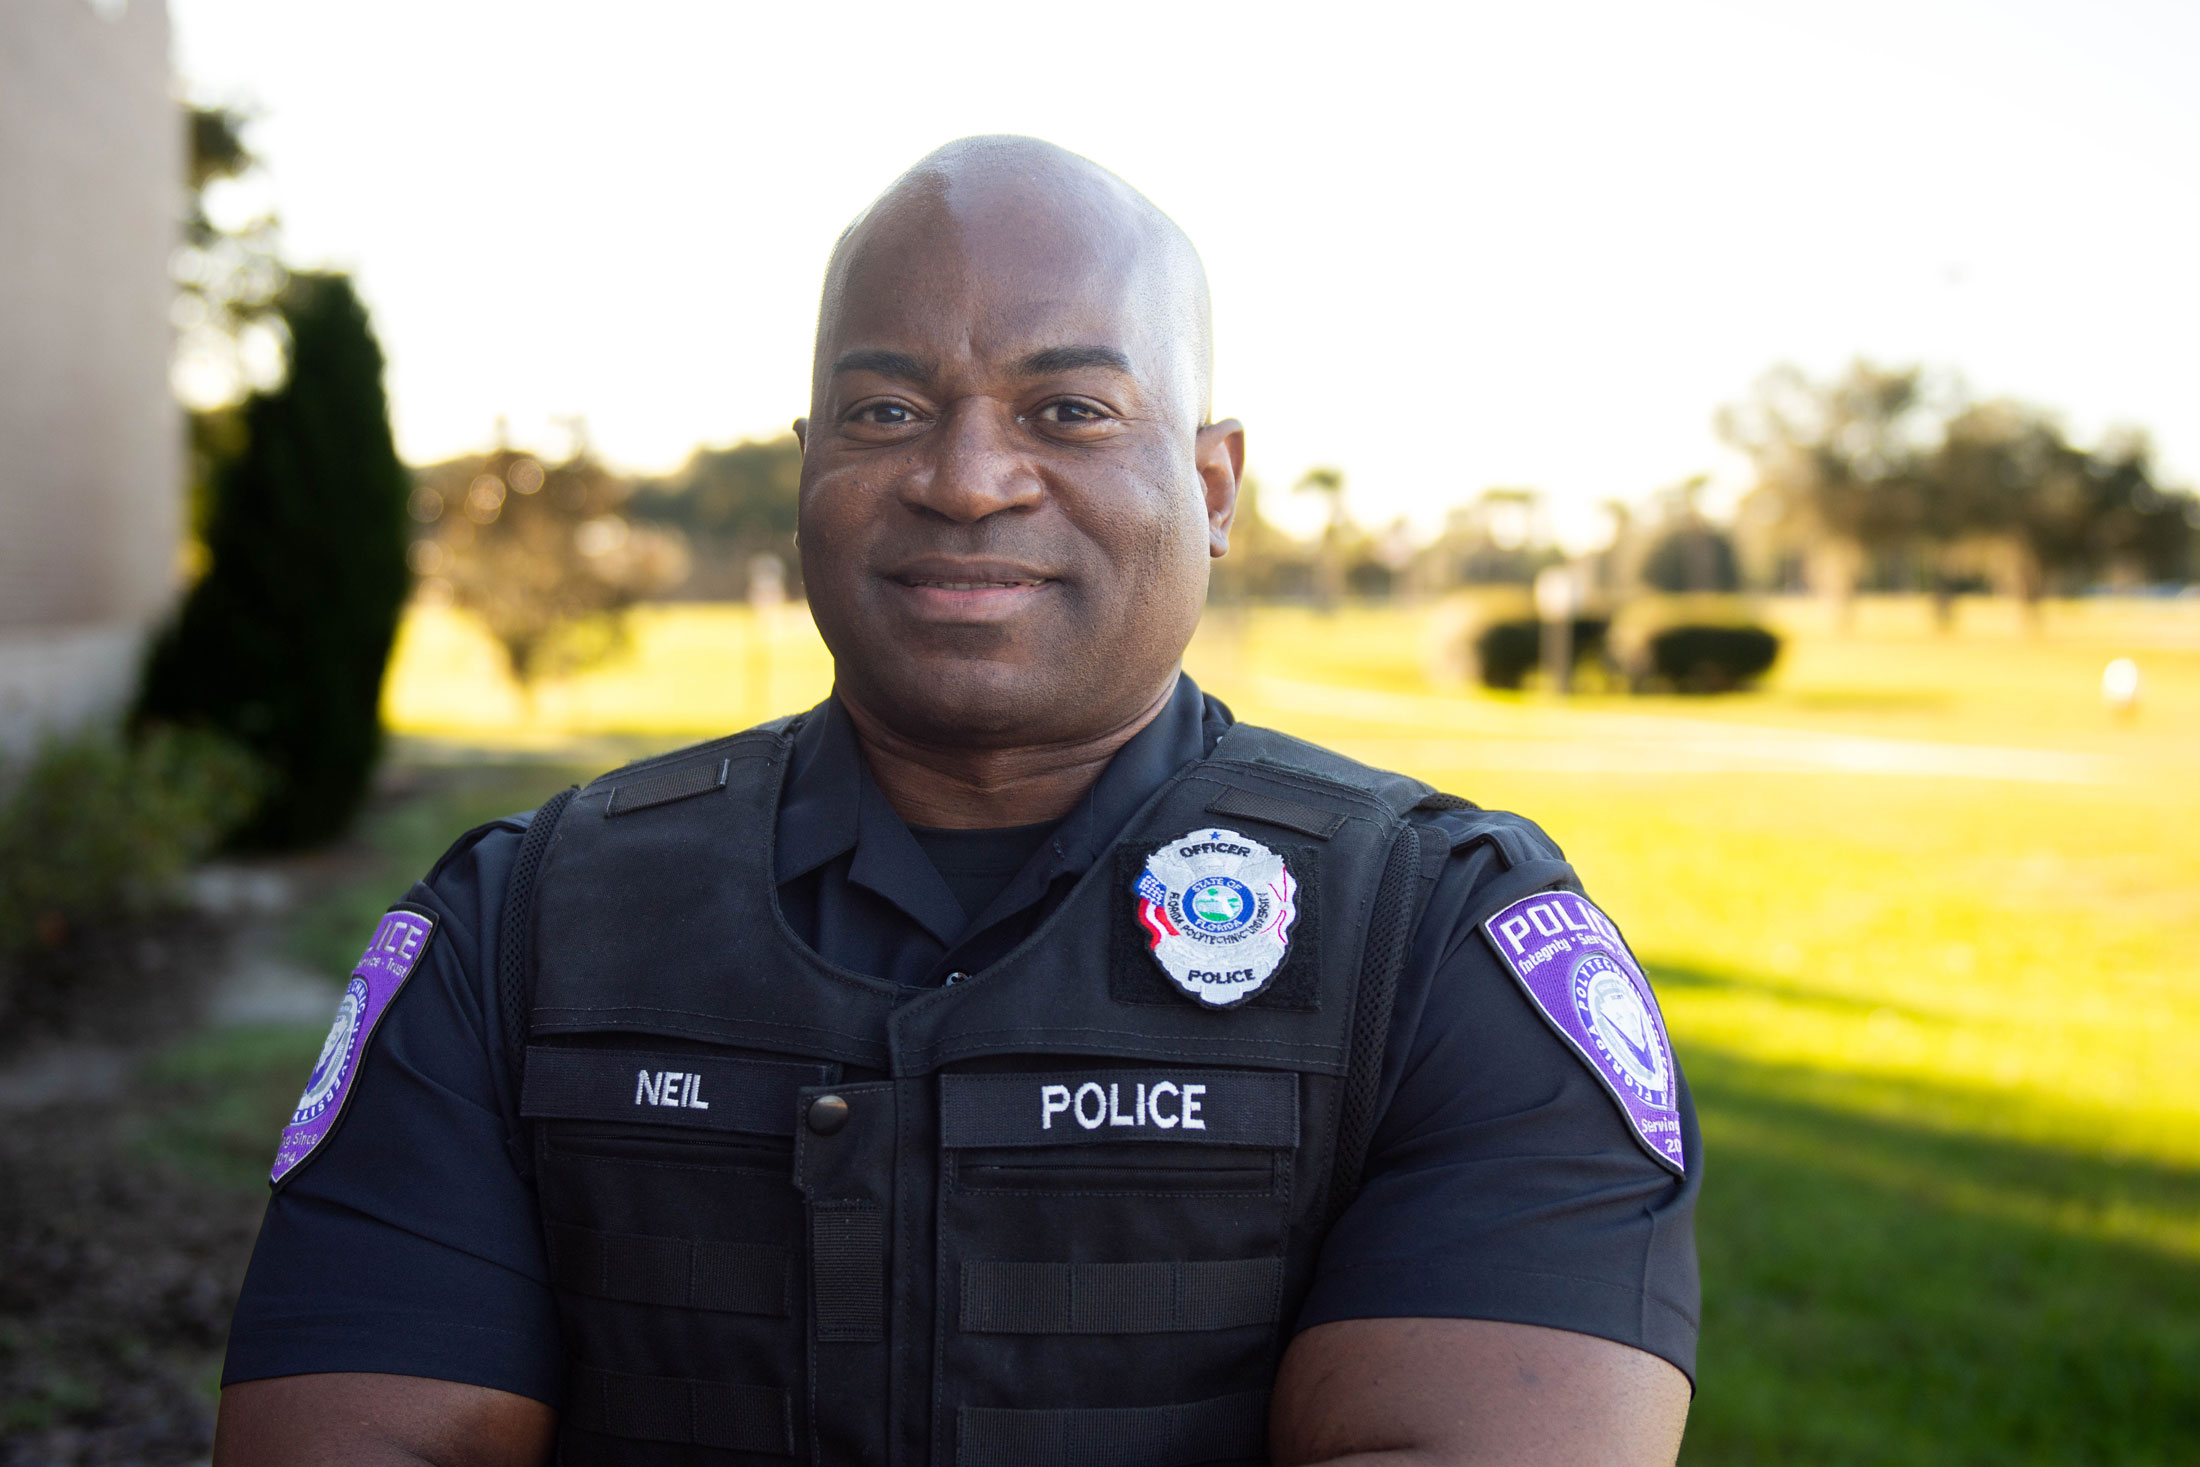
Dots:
pixel 1012 1061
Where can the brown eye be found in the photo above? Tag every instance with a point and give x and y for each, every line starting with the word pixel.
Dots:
pixel 1071 413
pixel 884 414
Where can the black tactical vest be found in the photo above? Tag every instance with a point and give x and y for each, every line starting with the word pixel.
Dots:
pixel 1055 1213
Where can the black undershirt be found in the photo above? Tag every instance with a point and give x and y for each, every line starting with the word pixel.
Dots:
pixel 977 864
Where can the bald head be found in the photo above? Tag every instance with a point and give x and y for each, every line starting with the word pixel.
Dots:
pixel 1009 217
pixel 1010 491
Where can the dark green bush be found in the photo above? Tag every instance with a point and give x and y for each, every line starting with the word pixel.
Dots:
pixel 1692 558
pixel 1507 651
pixel 1711 659
pixel 96 832
pixel 281 645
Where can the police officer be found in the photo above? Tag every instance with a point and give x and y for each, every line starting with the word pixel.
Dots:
pixel 1013 1060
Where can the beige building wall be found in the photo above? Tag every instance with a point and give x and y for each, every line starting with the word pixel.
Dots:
pixel 91 471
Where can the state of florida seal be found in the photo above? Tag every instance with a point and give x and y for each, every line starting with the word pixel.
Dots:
pixel 1217 907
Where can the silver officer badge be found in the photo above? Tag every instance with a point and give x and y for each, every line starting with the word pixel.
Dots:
pixel 1217 907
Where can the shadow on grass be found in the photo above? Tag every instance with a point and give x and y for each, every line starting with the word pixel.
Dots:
pixel 1671 976
pixel 1878 1291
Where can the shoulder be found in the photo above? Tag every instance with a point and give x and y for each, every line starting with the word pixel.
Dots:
pixel 1275 753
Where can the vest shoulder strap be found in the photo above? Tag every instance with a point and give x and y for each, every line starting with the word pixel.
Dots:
pixel 1280 753
pixel 643 773
pixel 515 952
pixel 1399 898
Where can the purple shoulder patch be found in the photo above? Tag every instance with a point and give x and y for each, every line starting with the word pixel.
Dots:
pixel 388 961
pixel 1573 965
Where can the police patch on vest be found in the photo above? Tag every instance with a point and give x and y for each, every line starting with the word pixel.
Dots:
pixel 1217 908
pixel 1570 960
pixel 389 960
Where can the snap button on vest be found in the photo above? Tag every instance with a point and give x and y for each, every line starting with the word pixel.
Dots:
pixel 827 1114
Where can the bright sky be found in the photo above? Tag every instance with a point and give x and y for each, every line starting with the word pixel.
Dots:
pixel 1451 246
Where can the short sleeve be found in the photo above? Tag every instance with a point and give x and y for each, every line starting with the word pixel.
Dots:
pixel 1503 1181
pixel 407 1244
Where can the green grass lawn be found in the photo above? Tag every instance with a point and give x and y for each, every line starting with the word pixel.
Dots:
pixel 1925 920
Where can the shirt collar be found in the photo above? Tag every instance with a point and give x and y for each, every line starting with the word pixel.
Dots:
pixel 831 806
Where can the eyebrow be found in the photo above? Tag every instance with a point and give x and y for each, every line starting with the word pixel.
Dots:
pixel 885 363
pixel 1070 358
pixel 900 364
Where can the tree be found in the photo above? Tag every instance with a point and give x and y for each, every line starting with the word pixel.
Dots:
pixel 1849 458
pixel 227 277
pixel 733 504
pixel 282 643
pixel 2006 469
pixel 540 553
pixel 1893 463
pixel 1326 484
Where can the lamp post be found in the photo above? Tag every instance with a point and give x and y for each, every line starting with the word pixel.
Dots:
pixel 1557 594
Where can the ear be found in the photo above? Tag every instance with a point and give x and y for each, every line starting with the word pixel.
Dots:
pixel 802 433
pixel 1219 452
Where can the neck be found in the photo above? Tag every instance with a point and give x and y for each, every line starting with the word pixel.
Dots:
pixel 961 788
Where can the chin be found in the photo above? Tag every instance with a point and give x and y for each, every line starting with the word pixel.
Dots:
pixel 979 703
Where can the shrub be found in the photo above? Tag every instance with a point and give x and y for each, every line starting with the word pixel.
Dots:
pixel 281 645
pixel 1507 651
pixel 96 832
pixel 1711 659
pixel 1692 558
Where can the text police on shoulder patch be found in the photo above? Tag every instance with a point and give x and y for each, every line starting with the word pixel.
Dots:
pixel 399 940
pixel 1571 962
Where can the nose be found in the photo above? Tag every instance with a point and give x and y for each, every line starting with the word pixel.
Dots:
pixel 973 466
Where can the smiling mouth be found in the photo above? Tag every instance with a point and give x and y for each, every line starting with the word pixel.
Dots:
pixel 934 583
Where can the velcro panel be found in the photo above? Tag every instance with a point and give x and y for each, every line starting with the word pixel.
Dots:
pixel 1274 810
pixel 699 1091
pixel 1000 1297
pixel 1223 1429
pixel 681 1273
pixel 661 1408
pixel 848 1271
pixel 1209 1107
pixel 677 783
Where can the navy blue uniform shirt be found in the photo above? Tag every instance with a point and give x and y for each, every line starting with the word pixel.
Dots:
pixel 1503 1182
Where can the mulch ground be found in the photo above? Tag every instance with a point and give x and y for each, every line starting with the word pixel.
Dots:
pixel 117 1278
pixel 118 1271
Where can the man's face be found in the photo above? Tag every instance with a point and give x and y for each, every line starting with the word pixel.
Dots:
pixel 1008 502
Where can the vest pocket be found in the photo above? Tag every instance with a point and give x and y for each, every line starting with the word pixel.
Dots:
pixel 676 1247
pixel 1232 1428
pixel 673 1273
pixel 681 1412
pixel 1112 1278
pixel 999 1296
pixel 1126 1169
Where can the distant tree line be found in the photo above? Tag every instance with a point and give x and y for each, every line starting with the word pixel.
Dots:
pixel 1893 479
pixel 732 505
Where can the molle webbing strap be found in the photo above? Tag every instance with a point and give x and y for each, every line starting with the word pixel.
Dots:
pixel 678 1273
pixel 680 782
pixel 516 943
pixel 1227 1428
pixel 1120 1298
pixel 1274 810
pixel 848 1271
pixel 1389 935
pixel 662 1408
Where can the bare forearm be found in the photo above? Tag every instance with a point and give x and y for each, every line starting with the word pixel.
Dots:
pixel 1472 1393
pixel 379 1421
